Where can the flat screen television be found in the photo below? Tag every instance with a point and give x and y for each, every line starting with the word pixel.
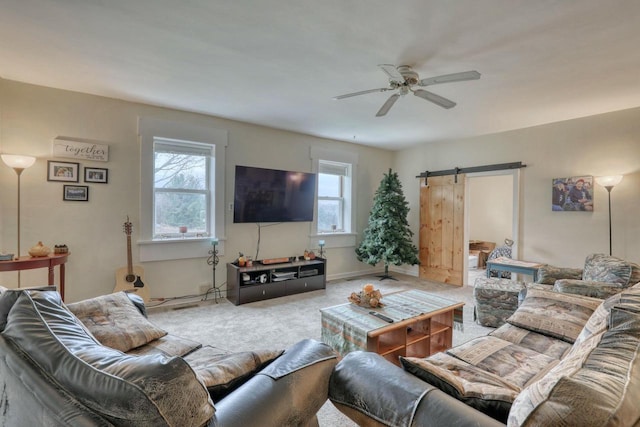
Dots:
pixel 271 195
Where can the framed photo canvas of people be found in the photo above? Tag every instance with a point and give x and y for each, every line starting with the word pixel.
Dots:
pixel 62 171
pixel 572 194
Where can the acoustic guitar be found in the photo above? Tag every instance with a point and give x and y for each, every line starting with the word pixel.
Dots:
pixel 129 278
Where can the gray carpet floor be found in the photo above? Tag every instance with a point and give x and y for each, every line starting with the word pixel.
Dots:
pixel 281 322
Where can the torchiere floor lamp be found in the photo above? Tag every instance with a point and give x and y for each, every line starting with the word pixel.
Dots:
pixel 609 182
pixel 19 164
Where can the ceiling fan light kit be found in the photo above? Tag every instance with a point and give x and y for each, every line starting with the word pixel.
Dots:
pixel 403 79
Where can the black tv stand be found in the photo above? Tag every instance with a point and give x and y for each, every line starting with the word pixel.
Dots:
pixel 265 281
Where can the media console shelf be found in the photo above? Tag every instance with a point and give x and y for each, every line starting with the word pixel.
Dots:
pixel 260 282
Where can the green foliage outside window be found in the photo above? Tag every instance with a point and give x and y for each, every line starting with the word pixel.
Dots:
pixel 180 195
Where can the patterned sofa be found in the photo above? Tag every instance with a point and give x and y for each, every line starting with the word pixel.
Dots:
pixel 561 359
pixel 602 276
pixel 100 362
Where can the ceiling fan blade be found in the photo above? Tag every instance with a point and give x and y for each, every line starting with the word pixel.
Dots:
pixel 392 72
pixel 387 105
pixel 436 99
pixel 447 78
pixel 363 92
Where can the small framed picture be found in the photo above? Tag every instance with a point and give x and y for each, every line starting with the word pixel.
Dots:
pixel 63 171
pixel 98 175
pixel 76 193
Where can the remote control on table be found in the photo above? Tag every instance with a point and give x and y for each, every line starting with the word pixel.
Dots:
pixel 381 316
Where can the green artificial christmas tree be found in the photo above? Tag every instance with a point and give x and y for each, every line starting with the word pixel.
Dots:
pixel 388 237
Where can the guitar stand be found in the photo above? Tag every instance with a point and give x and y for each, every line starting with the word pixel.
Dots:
pixel 213 260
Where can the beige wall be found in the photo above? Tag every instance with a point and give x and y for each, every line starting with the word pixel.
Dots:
pixel 490 208
pixel 606 144
pixel 32 116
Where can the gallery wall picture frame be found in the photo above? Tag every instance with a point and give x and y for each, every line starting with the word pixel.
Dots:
pixel 75 193
pixel 63 171
pixel 572 194
pixel 97 175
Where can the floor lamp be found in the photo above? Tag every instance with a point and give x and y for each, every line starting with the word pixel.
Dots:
pixel 18 163
pixel 609 182
pixel 213 261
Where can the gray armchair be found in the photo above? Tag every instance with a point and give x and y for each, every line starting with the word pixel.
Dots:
pixel 601 277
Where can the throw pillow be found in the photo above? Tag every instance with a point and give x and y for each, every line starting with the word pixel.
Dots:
pixel 223 373
pixel 116 322
pixel 605 268
pixel 143 391
pixel 513 363
pixel 554 314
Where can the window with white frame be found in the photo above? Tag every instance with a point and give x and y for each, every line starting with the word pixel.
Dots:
pixel 334 201
pixel 182 188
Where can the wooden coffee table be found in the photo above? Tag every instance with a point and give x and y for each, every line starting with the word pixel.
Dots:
pixel 422 325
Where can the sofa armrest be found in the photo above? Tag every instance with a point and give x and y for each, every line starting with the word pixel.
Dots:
pixel 289 391
pixel 601 290
pixel 31 398
pixel 373 391
pixel 548 274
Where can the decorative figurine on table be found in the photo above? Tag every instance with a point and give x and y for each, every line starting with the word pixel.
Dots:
pixel 241 260
pixel 39 250
pixel 60 249
pixel 367 297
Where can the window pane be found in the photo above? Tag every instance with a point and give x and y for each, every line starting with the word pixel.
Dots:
pixel 173 170
pixel 329 214
pixel 329 185
pixel 173 210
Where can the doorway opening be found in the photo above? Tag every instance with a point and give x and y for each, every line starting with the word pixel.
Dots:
pixel 491 216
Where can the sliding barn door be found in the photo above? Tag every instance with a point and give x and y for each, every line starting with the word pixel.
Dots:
pixel 442 229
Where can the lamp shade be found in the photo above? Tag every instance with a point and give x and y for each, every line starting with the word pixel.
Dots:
pixel 609 181
pixel 17 161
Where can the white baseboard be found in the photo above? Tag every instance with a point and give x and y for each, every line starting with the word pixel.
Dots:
pixel 409 270
pixel 349 274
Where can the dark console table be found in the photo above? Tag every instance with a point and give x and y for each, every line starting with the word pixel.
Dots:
pixel 265 281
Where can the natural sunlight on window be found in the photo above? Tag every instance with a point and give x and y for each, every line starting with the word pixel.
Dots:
pixel 182 190
pixel 332 178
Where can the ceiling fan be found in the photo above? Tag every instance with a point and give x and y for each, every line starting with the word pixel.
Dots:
pixel 403 79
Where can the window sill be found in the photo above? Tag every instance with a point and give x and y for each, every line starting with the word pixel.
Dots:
pixel 172 249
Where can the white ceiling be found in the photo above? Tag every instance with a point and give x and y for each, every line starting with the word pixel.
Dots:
pixel 279 63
